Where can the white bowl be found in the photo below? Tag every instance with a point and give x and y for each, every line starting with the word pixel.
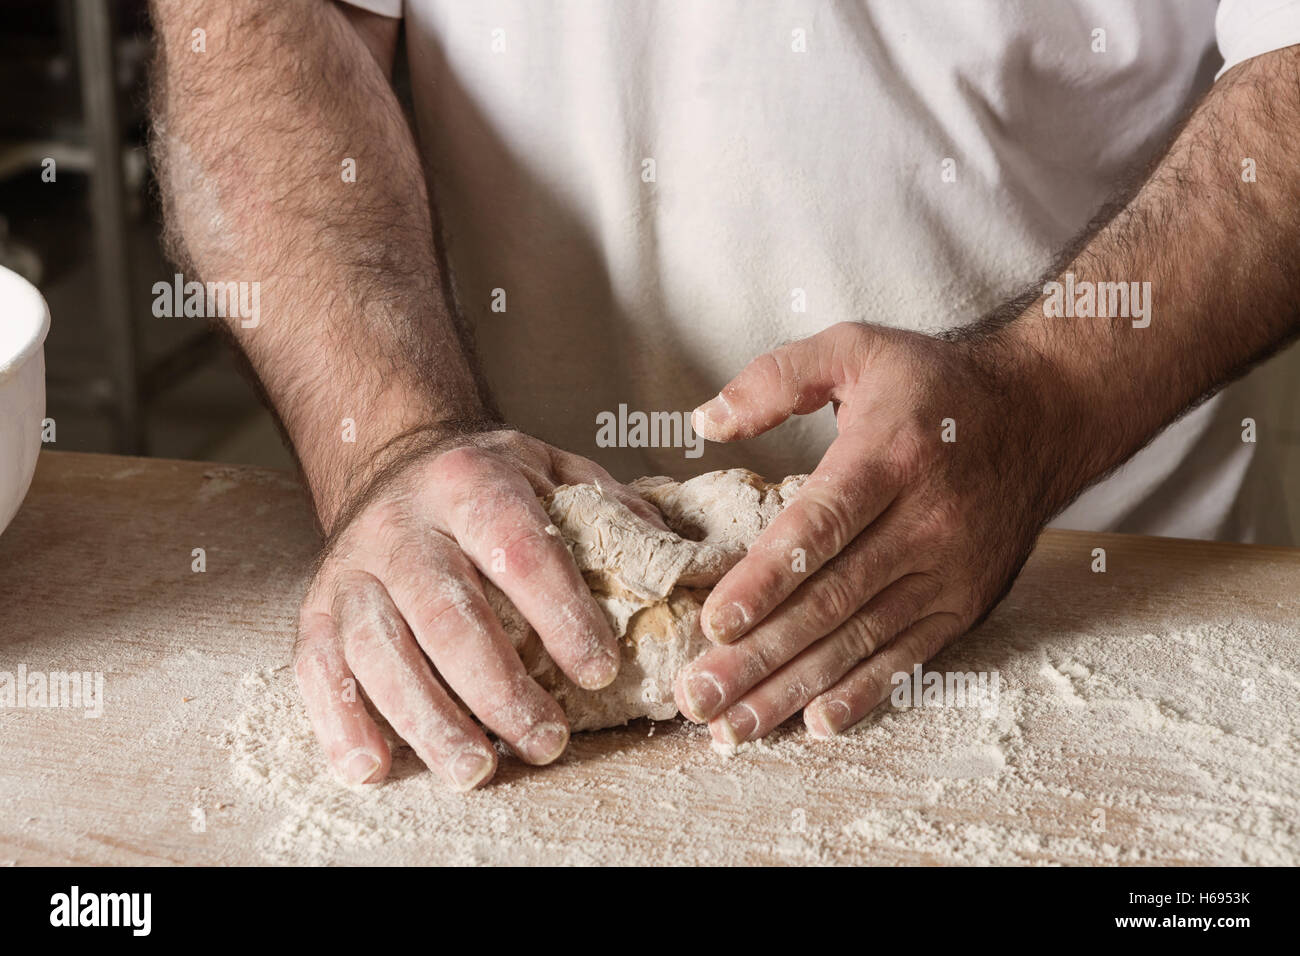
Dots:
pixel 24 320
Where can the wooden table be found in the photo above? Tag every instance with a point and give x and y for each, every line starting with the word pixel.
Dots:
pixel 1120 736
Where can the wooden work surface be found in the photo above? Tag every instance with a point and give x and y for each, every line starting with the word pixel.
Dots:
pixel 96 575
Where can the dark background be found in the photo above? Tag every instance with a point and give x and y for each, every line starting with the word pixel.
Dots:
pixel 74 87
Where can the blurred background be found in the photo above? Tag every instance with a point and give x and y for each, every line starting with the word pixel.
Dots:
pixel 73 89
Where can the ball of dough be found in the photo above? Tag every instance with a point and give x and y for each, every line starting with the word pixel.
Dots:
pixel 650 583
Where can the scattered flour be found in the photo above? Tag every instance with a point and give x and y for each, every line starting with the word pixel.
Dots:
pixel 1107 747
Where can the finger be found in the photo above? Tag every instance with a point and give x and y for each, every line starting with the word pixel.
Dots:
pixel 497 520
pixel 576 470
pixel 351 739
pixel 719 677
pixel 380 650
pixel 839 499
pixel 820 666
pixel 864 687
pixel 437 592
pixel 795 379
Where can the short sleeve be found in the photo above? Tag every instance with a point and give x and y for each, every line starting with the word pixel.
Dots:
pixel 385 8
pixel 1247 28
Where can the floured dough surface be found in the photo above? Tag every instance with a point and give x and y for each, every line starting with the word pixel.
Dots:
pixel 649 582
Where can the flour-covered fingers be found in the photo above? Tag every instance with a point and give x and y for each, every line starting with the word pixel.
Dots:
pixel 871 682
pixel 437 591
pixel 495 517
pixel 839 500
pixel 349 736
pixel 826 661
pixel 575 470
pixel 720 676
pixel 381 652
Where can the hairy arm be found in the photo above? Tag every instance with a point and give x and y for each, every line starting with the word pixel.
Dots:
pixel 1214 229
pixel 251 137
pixel 435 499
pixel 907 540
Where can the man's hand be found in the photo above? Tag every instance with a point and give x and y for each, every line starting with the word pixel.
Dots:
pixel 358 337
pixel 398 606
pixel 910 539
pixel 897 543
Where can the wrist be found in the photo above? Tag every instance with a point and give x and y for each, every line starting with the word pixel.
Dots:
pixel 344 455
pixel 1057 413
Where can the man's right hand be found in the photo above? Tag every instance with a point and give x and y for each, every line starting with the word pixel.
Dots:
pixel 358 328
pixel 397 605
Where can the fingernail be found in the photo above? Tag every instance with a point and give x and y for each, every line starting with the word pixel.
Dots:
pixel 544 743
pixel 738 723
pixel 713 413
pixel 359 766
pixel 832 717
pixel 726 623
pixel 703 694
pixel 598 671
pixel 470 769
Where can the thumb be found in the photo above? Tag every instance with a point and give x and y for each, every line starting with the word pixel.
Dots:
pixel 795 379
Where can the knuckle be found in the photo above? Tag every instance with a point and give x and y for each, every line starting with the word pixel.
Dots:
pixel 435 613
pixel 848 331
pixel 363 642
pixel 838 599
pixel 309 645
pixel 526 551
pixel 827 528
pixel 783 361
pixel 466 463
pixel 354 584
pixel 771 368
pixel 931 636
pixel 941 521
pixel 493 510
pixel 769 578
pixel 362 645
pixel 365 615
pixel 851 341
pixel 383 527
pixel 861 636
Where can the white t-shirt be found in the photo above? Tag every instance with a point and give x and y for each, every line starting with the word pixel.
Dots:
pixel 659 191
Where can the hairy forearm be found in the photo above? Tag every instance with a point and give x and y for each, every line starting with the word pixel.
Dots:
pixel 251 137
pixel 1219 253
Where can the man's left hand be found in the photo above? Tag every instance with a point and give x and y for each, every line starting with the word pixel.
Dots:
pixel 951 456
